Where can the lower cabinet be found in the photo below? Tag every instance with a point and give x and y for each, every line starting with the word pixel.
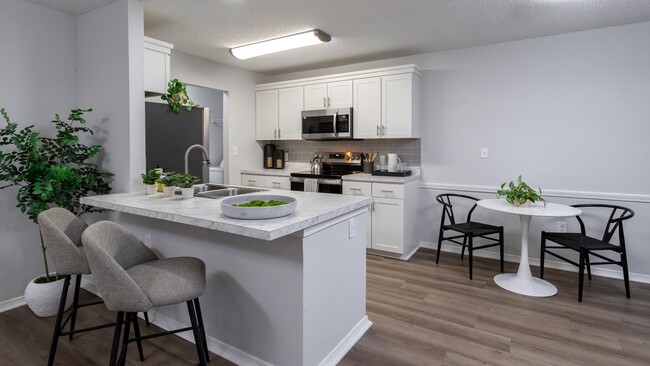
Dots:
pixel 391 227
pixel 265 181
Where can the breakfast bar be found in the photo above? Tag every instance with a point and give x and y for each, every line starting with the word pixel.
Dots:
pixel 283 291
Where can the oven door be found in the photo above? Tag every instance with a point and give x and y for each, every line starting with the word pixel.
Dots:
pixel 324 185
pixel 327 124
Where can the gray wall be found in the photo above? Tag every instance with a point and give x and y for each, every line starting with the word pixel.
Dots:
pixel 569 112
pixel 37 67
pixel 212 99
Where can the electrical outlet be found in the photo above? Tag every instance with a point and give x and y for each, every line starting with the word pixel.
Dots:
pixel 353 228
pixel 235 150
pixel 484 153
pixel 561 227
pixel 147 240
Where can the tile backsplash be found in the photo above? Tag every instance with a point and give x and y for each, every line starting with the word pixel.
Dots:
pixel 302 151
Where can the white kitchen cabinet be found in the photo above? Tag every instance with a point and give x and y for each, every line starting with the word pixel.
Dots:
pixel 328 95
pixel 366 108
pixel 277 114
pixel 157 69
pixel 393 216
pixel 253 180
pixel 265 181
pixel 400 106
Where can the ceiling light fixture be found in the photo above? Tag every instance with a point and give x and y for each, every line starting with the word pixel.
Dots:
pixel 303 39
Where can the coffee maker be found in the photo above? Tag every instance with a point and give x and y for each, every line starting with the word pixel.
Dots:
pixel 269 156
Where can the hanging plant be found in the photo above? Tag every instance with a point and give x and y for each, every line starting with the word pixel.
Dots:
pixel 177 97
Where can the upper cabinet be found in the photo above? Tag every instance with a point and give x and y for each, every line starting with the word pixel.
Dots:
pixel 328 95
pixel 385 103
pixel 157 70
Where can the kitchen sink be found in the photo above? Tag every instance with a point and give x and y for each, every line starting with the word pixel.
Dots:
pixel 215 191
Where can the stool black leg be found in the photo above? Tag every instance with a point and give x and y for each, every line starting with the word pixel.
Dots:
pixel 146 317
pixel 125 339
pixel 197 334
pixel 75 304
pixel 440 236
pixel 59 320
pixel 581 273
pixel 470 251
pixel 136 329
pixel 116 337
pixel 197 305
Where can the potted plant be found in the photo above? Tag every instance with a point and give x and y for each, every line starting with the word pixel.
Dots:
pixel 177 97
pixel 520 194
pixel 168 180
pixel 50 172
pixel 186 182
pixel 149 179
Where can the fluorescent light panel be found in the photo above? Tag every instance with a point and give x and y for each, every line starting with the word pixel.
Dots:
pixel 308 38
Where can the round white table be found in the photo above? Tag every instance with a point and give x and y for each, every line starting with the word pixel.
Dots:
pixel 523 281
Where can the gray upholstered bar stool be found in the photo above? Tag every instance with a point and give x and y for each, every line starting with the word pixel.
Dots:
pixel 131 278
pixel 61 233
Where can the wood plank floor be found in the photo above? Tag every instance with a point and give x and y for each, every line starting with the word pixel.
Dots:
pixel 423 314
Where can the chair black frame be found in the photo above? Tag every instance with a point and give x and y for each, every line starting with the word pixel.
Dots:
pixel 469 230
pixel 614 223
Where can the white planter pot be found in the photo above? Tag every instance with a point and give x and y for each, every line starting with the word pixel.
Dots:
pixel 187 192
pixel 150 188
pixel 43 298
pixel 525 204
pixel 168 191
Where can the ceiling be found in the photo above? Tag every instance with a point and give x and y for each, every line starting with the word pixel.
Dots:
pixel 362 30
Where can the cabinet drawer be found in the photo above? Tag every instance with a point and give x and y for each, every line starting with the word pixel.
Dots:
pixel 357 188
pixel 252 180
pixel 278 182
pixel 385 190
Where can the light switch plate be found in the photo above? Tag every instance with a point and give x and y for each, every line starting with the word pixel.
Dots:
pixel 484 153
pixel 353 228
pixel 235 150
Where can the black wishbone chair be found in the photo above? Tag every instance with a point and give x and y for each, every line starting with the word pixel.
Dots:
pixel 468 230
pixel 587 245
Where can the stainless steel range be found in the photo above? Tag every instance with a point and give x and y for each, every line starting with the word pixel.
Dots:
pixel 335 166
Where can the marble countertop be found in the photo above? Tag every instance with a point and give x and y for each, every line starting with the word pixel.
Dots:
pixel 365 177
pixel 312 209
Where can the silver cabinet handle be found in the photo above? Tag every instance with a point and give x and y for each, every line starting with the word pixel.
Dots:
pixel 377 130
pixel 383 130
pixel 387 190
pixel 275 133
pixel 328 101
pixel 324 102
pixel 355 189
pixel 373 207
pixel 336 116
pixel 279 133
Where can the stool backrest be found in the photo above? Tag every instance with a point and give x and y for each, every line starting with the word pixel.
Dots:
pixel 614 222
pixel 447 200
pixel 112 250
pixel 61 234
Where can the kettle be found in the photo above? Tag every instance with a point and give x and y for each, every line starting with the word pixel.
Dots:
pixel 316 164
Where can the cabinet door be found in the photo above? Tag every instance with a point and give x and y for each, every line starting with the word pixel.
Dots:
pixel 388 225
pixel 315 96
pixel 156 71
pixel 367 108
pixel 339 94
pixel 361 189
pixel 396 105
pixel 253 180
pixel 290 124
pixel 277 182
pixel 266 114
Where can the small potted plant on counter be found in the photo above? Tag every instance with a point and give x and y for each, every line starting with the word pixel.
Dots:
pixel 520 194
pixel 168 180
pixel 186 182
pixel 149 179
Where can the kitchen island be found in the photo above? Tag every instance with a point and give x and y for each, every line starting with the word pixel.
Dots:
pixel 285 291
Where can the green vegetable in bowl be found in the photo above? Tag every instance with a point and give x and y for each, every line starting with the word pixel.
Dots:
pixel 260 203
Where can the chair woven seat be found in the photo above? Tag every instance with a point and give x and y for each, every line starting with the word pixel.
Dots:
pixel 475 228
pixel 576 241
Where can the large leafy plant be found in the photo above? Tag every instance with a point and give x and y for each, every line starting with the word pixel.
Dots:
pixel 177 97
pixel 51 171
pixel 518 194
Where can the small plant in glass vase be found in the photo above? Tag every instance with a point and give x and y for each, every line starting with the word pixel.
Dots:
pixel 520 194
pixel 168 180
pixel 186 183
pixel 149 179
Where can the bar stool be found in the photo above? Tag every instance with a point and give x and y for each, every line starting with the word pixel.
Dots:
pixel 61 234
pixel 132 278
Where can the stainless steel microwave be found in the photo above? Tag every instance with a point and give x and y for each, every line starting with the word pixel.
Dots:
pixel 327 124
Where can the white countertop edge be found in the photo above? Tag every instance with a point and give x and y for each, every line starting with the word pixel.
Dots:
pixel 365 177
pixel 227 227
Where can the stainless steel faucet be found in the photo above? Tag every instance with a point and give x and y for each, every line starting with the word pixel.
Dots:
pixel 206 158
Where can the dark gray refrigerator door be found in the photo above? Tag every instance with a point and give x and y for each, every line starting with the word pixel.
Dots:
pixel 169 135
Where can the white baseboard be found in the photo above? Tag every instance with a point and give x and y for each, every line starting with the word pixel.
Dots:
pixel 403 257
pixel 603 272
pixel 347 343
pixel 12 303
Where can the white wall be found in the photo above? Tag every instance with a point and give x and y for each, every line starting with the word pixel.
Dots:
pixel 212 99
pixel 569 112
pixel 111 81
pixel 238 108
pixel 37 68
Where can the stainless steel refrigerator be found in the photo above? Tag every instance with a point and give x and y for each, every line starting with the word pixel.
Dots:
pixel 169 135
